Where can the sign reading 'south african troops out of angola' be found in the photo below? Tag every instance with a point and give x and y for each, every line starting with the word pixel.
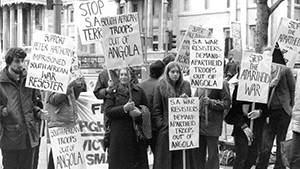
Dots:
pixel 122 41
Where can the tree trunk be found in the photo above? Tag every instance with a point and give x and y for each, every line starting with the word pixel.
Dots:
pixel 262 23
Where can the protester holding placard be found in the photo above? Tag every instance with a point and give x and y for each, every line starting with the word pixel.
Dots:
pixel 239 115
pixel 127 146
pixel 63 107
pixel 156 70
pixel 20 113
pixel 217 101
pixel 171 85
pixel 280 108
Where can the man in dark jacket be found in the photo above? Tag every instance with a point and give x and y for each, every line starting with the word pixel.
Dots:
pixel 156 70
pixel 18 114
pixel 217 102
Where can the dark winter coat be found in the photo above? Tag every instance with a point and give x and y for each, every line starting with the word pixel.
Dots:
pixel 237 117
pixel 221 103
pixel 164 158
pixel 125 150
pixel 21 104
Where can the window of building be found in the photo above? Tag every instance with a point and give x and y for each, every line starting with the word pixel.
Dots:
pixel 169 7
pixel 226 32
pixel 254 1
pixel 252 35
pixel 297 2
pixel 135 7
pixel 122 10
pixel 206 4
pixel 92 48
pixel 186 5
pixel 228 3
pixel 154 10
pixel 155 43
pixel 72 15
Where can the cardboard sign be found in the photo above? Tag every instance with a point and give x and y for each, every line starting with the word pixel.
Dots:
pixel 237 41
pixel 66 144
pixel 88 15
pixel 288 41
pixel 207 63
pixel 183 54
pixel 50 62
pixel 254 79
pixel 122 41
pixel 183 123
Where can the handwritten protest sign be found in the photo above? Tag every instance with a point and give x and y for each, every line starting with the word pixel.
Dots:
pixel 50 62
pixel 207 63
pixel 67 149
pixel 122 41
pixel 237 41
pixel 288 40
pixel 183 123
pixel 183 54
pixel 254 77
pixel 88 15
pixel 91 126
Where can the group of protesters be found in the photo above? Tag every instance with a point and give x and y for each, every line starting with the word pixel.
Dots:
pixel 127 102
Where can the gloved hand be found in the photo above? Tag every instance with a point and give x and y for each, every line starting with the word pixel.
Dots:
pixel 184 96
pixel 274 82
pixel 129 106
pixel 248 133
pixel 44 115
pixel 206 101
pixel 254 114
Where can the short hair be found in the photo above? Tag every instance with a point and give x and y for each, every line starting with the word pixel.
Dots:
pixel 170 57
pixel 14 52
pixel 157 69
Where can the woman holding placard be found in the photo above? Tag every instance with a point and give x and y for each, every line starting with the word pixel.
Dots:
pixel 170 86
pixel 127 146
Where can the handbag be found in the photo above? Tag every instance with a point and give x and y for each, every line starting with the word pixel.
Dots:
pixel 285 152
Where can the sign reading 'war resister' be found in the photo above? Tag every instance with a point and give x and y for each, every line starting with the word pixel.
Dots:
pixel 207 63
pixel 50 62
pixel 183 123
pixel 287 38
pixel 88 15
pixel 122 41
pixel 254 77
pixel 183 54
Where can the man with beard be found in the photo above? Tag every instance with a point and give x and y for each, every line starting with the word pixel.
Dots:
pixel 19 114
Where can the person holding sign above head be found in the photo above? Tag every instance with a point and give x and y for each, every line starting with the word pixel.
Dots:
pixel 127 144
pixel 170 86
pixel 19 114
pixel 217 102
pixel 240 115
pixel 63 107
pixel 280 103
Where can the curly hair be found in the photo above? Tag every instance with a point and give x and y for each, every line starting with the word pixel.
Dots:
pixel 14 52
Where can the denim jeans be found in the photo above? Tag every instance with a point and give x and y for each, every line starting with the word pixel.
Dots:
pixel 278 125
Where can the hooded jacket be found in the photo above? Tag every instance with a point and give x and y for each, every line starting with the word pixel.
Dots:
pixel 21 105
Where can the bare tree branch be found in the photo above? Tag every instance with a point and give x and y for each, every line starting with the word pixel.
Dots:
pixel 275 5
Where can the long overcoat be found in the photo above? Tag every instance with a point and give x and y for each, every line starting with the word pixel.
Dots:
pixel 126 151
pixel 164 158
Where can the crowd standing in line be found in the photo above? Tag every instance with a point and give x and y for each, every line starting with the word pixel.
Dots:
pixel 123 98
